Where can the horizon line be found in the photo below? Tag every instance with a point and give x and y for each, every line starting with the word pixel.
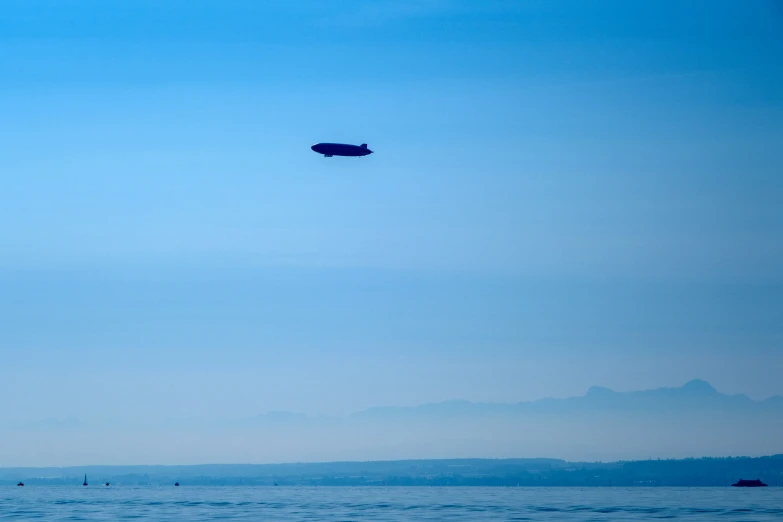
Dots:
pixel 391 461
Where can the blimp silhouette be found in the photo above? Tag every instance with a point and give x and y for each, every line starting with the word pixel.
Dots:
pixel 341 149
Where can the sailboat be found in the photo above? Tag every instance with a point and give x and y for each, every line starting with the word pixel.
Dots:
pixel 85 480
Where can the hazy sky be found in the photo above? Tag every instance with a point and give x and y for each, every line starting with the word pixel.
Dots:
pixel 563 194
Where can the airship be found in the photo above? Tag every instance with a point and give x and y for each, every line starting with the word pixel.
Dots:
pixel 341 149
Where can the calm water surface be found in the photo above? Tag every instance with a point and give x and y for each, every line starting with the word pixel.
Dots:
pixel 344 503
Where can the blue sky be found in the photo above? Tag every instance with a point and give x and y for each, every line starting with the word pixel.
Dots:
pixel 562 194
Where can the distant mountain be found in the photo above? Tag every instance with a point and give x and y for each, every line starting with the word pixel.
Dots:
pixel 694 395
pixel 601 425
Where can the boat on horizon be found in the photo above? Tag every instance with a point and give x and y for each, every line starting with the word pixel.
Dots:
pixel 749 484
pixel 85 480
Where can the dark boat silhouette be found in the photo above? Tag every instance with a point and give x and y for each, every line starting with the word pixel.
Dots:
pixel 20 484
pixel 176 483
pixel 107 483
pixel 85 480
pixel 749 484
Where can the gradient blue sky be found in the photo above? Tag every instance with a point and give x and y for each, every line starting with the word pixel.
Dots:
pixel 563 194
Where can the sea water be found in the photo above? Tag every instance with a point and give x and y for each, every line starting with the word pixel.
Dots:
pixel 389 503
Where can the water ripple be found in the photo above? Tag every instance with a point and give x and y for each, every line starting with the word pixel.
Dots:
pixel 386 504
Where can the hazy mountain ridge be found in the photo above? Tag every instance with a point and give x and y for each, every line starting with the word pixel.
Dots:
pixel 694 394
pixel 601 425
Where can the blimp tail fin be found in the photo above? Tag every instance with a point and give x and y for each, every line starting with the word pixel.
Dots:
pixel 363 145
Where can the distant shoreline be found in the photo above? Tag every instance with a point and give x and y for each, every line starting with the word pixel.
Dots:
pixel 695 472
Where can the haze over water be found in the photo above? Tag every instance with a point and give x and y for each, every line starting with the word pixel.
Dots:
pixel 567 202
pixel 567 244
